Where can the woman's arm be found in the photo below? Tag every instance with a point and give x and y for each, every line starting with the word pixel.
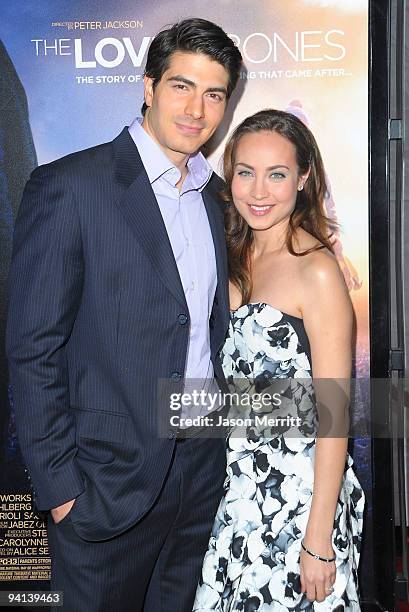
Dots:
pixel 327 314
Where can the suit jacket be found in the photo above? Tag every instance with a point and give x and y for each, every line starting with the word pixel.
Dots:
pixel 94 323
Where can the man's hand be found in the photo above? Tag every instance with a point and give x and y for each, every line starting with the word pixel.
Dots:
pixel 61 512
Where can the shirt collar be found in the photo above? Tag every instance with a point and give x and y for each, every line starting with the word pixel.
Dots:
pixel 157 164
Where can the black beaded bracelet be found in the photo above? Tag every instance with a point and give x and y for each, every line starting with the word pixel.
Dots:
pixel 325 559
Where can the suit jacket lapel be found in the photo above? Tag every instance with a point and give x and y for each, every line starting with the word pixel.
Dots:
pixel 216 221
pixel 139 206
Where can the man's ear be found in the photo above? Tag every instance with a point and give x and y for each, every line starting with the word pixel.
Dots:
pixel 148 90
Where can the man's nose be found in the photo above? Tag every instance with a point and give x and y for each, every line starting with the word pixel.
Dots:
pixel 195 106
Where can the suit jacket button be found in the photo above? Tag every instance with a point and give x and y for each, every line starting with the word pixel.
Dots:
pixel 182 318
pixel 176 376
pixel 171 435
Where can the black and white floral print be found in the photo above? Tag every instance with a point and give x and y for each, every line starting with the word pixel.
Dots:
pixel 252 561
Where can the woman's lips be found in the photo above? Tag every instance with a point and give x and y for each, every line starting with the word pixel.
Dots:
pixel 259 211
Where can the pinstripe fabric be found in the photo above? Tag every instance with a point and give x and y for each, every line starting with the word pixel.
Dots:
pixel 155 565
pixel 93 324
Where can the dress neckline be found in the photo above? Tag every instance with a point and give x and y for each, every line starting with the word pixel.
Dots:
pixel 269 306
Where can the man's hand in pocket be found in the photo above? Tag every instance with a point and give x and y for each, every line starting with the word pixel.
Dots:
pixel 61 512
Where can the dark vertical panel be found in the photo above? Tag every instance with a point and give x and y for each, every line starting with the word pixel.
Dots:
pixel 383 522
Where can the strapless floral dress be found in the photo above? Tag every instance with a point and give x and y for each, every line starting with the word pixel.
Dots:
pixel 252 561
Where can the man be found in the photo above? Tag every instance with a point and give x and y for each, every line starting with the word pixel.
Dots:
pixel 119 269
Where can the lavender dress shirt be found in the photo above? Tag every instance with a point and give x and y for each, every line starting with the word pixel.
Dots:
pixel 187 225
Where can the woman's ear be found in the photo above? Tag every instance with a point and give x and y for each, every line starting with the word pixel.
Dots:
pixel 302 180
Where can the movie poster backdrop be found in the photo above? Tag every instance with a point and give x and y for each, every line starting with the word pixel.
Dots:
pixel 71 77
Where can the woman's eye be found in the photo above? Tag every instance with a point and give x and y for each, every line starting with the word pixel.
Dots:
pixel 244 173
pixel 277 176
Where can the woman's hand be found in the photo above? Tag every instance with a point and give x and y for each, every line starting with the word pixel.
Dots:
pixel 317 577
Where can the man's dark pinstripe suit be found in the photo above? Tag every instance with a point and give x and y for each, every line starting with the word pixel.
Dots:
pixel 94 322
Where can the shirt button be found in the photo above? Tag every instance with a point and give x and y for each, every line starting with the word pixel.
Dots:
pixel 176 376
pixel 182 318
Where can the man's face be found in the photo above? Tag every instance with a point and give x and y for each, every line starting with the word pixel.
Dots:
pixel 187 104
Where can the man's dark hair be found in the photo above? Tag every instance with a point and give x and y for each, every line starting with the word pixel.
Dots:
pixel 193 36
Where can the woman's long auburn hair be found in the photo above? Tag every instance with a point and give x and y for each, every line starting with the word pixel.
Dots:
pixel 309 206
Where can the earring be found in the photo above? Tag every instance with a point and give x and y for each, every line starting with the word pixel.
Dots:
pixel 300 187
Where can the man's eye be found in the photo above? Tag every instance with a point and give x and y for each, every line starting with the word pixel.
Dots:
pixel 215 96
pixel 180 86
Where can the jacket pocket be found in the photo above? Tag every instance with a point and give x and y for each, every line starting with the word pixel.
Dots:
pixel 99 434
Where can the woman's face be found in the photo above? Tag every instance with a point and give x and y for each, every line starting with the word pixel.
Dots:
pixel 265 179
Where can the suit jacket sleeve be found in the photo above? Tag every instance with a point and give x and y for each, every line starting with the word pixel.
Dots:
pixel 45 289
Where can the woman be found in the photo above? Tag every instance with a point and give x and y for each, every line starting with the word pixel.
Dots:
pixel 288 530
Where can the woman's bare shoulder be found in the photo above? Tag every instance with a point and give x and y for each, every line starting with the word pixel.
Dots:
pixel 321 268
pixel 318 266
